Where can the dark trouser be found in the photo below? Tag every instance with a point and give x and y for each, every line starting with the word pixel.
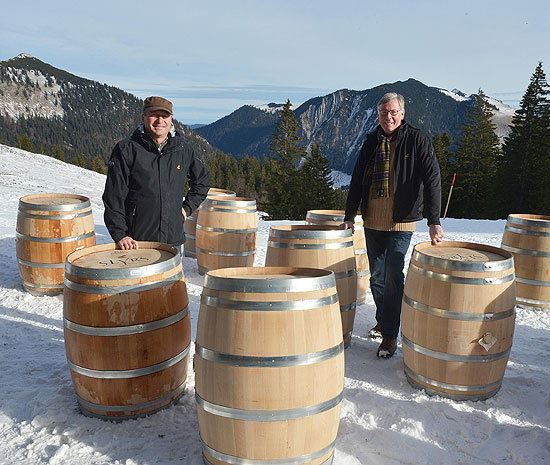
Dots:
pixel 386 251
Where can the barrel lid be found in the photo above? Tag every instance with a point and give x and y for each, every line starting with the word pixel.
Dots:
pixel 54 202
pixel 463 256
pixel 107 262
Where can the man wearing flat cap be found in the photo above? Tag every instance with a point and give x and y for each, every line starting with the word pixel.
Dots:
pixel 147 174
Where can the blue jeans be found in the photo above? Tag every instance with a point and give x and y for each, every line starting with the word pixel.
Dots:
pixel 386 251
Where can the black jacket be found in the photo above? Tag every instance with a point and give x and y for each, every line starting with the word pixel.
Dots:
pixel 144 189
pixel 416 170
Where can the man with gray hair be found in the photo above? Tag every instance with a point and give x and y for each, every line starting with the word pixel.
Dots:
pixel 395 169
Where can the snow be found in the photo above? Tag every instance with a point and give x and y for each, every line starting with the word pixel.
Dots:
pixel 383 421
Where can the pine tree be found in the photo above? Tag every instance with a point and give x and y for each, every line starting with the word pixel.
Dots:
pixel 24 142
pixel 441 143
pixel 524 168
pixel 477 150
pixel 284 185
pixel 318 192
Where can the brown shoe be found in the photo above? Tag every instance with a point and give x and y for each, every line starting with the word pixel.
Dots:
pixel 387 348
pixel 375 333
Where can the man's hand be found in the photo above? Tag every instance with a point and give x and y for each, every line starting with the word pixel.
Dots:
pixel 184 214
pixel 436 233
pixel 127 243
pixel 347 225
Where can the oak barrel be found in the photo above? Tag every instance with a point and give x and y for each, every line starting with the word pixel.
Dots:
pixel 527 237
pixel 50 227
pixel 458 318
pixel 324 247
pixel 127 329
pixel 227 230
pixel 335 218
pixel 269 366
pixel 190 225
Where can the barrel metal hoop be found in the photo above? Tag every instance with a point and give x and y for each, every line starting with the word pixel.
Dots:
pixel 229 203
pixel 310 234
pixel 276 306
pixel 228 210
pixel 324 217
pixel 534 253
pixel 40 265
pixel 190 236
pixel 54 217
pixel 125 330
pixel 452 357
pixel 454 387
pixel 442 313
pixel 268 362
pixel 345 274
pixel 528 222
pixel 226 254
pixel 527 232
pixel 268 415
pixel 347 308
pixel 456 265
pixel 360 251
pixel 123 273
pixel 226 230
pixel 459 280
pixel 532 282
pixel 360 274
pixel 231 459
pixel 304 284
pixel 132 407
pixel 191 218
pixel 125 374
pixel 55 240
pixel 288 245
pixel 54 208
pixel 525 301
pixel 43 286
pixel 88 289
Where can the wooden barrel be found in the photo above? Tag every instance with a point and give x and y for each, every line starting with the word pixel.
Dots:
pixel 269 366
pixel 527 237
pixel 127 329
pixel 458 319
pixel 50 227
pixel 190 225
pixel 227 233
pixel 324 247
pixel 335 218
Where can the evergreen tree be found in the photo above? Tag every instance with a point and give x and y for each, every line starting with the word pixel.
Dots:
pixel 284 185
pixel 524 168
pixel 477 150
pixel 441 143
pixel 318 193
pixel 24 142
pixel 81 161
pixel 98 165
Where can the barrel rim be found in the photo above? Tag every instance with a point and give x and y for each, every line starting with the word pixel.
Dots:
pixel 495 265
pixel 24 202
pixel 527 219
pixel 309 231
pixel 231 279
pixel 232 202
pixel 121 273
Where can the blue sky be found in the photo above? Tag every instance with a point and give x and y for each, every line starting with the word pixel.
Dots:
pixel 212 56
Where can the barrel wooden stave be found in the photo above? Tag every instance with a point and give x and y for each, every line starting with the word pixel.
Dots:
pixel 340 260
pixel 443 321
pixel 190 224
pixel 335 218
pixel 160 352
pixel 43 240
pixel 527 237
pixel 237 330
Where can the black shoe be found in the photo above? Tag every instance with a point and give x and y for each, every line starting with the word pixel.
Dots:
pixel 375 333
pixel 387 348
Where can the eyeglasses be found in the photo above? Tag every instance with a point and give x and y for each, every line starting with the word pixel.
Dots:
pixel 391 112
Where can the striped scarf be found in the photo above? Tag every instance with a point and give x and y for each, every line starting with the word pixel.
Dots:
pixel 381 169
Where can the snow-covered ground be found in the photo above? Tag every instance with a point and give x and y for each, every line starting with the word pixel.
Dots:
pixel 383 421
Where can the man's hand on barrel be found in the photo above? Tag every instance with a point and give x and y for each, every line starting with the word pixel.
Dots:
pixel 127 243
pixel 436 233
pixel 347 225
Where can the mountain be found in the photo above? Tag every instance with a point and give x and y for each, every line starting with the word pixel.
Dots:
pixel 340 121
pixel 58 110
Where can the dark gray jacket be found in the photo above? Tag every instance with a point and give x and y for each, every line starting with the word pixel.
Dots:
pixel 416 173
pixel 145 189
